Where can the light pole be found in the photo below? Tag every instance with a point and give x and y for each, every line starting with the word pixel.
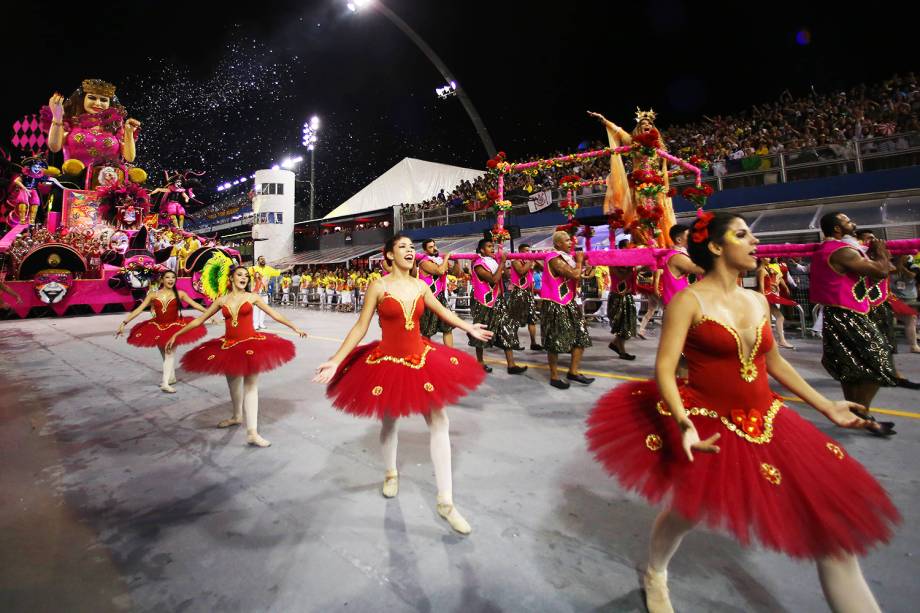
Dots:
pixel 310 138
pixel 355 5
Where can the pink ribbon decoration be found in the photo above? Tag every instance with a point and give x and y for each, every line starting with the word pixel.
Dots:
pixel 908 246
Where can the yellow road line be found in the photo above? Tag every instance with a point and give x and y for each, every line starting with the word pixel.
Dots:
pixel 607 375
pixel 874 409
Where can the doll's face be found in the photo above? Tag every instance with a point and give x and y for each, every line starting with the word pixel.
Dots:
pixel 108 176
pixel 94 103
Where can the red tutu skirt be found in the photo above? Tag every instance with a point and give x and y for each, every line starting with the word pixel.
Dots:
pixel 800 493
pixel 151 334
pixel 257 354
pixel 398 387
pixel 779 300
pixel 900 308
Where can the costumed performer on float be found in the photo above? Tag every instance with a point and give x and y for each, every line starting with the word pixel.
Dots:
pixel 404 373
pixel 166 306
pixel 24 196
pixel 242 353
pixel 773 477
pixel 648 167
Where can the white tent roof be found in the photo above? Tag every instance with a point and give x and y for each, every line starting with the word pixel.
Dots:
pixel 410 181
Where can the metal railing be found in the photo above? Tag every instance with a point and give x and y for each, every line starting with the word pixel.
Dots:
pixel 852 157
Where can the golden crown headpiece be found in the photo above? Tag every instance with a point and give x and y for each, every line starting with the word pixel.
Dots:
pixel 648 115
pixel 98 87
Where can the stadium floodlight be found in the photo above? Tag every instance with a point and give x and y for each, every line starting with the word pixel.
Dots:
pixel 447 91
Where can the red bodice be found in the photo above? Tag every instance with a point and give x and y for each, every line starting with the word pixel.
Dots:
pixel 401 338
pixel 238 326
pixel 770 285
pixel 165 314
pixel 724 381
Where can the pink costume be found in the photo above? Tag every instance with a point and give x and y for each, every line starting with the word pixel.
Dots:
pixel 437 284
pixel 670 284
pixel 830 288
pixel 484 293
pixel 92 138
pixel 560 290
pixel 525 282
pixel 173 202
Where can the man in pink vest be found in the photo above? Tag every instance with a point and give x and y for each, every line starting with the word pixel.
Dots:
pixel 672 276
pixel 562 322
pixel 882 313
pixel 522 304
pixel 433 270
pixel 843 278
pixel 490 307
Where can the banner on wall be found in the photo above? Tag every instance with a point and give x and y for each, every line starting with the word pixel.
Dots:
pixel 539 201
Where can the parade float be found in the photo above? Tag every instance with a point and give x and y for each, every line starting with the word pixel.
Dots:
pixel 89 233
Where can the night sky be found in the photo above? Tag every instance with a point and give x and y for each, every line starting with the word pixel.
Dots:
pixel 227 89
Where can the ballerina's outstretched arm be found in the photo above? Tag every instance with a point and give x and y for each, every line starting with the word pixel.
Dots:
pixel 140 309
pixel 477 331
pixel 189 301
pixel 678 318
pixel 326 370
pixel 839 412
pixel 281 319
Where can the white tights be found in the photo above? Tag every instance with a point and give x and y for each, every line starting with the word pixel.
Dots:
pixel 439 443
pixel 780 324
pixel 244 393
pixel 653 304
pixel 169 366
pixel 844 586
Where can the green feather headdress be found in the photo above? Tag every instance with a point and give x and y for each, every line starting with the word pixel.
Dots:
pixel 215 276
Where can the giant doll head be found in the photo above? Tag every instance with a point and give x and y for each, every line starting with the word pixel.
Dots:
pixel 52 267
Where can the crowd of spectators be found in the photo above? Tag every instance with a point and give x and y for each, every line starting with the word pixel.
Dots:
pixel 806 128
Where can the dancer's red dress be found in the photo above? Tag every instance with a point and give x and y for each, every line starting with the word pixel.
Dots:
pixel 777 479
pixel 241 350
pixel 403 373
pixel 771 291
pixel 166 321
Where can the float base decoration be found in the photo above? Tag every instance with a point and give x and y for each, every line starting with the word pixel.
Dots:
pixel 93 293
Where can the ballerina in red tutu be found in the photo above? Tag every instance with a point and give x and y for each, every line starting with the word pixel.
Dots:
pixel 770 283
pixel 242 353
pixel 166 304
pixel 404 373
pixel 773 478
